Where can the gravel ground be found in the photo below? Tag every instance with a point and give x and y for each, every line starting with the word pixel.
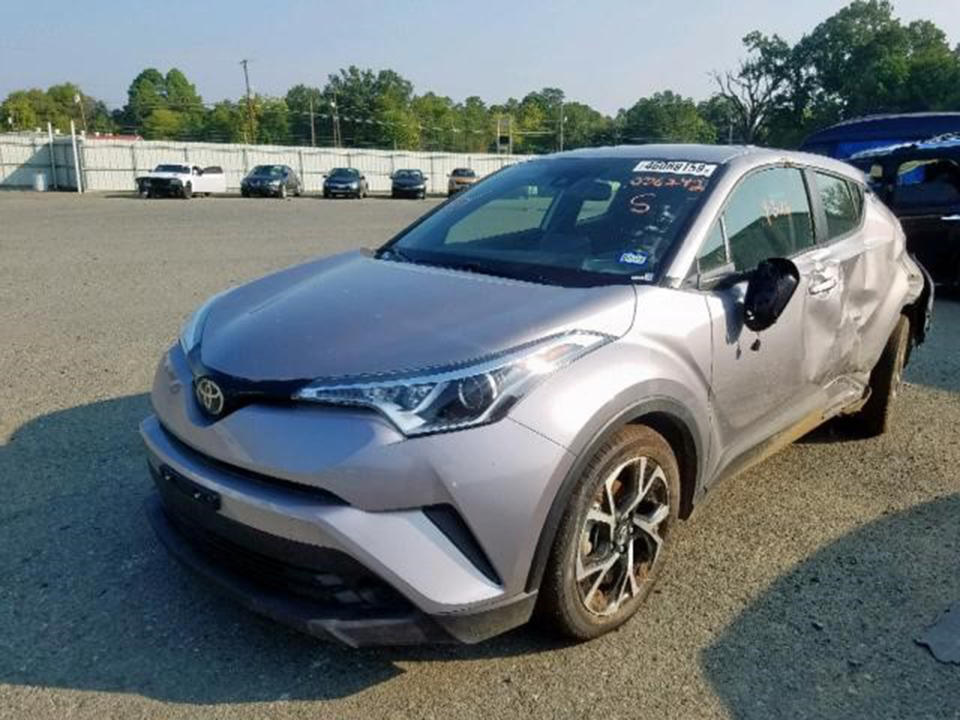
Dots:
pixel 797 592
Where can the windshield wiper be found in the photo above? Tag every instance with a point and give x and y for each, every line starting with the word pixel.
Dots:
pixel 392 253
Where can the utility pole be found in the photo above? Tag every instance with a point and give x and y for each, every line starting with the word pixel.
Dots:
pixel 336 123
pixel 562 118
pixel 78 99
pixel 313 129
pixel 246 80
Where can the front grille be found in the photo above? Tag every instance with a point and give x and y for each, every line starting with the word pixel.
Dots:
pixel 326 576
pixel 332 579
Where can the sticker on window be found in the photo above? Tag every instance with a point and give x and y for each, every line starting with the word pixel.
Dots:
pixel 675 167
pixel 635 258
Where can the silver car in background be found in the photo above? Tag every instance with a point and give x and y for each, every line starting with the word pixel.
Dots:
pixel 508 408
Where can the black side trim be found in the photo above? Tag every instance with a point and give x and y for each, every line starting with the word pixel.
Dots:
pixel 691 480
pixel 448 520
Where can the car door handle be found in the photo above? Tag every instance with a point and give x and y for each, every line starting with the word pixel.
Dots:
pixel 825 285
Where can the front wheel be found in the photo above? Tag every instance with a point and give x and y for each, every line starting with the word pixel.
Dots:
pixel 187 191
pixel 614 536
pixel 282 192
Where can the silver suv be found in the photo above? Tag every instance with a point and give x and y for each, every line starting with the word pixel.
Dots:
pixel 509 407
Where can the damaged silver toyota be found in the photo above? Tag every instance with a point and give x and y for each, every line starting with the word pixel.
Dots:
pixel 508 408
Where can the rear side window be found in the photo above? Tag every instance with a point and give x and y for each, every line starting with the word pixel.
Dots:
pixel 927 184
pixel 842 203
pixel 767 216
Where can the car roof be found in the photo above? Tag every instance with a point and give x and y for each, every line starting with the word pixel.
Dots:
pixel 745 156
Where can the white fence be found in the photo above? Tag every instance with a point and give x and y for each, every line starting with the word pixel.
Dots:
pixel 112 165
pixel 23 156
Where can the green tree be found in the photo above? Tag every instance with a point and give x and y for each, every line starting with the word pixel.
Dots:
pixel 272 121
pixel 300 99
pixel 226 122
pixel 146 93
pixel 665 117
pixel 163 124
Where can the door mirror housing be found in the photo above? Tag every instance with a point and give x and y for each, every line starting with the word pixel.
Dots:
pixel 769 290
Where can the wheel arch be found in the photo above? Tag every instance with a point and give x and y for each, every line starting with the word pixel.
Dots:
pixel 666 416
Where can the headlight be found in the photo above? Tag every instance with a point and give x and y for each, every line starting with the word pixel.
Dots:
pixel 176 181
pixel 192 329
pixel 459 397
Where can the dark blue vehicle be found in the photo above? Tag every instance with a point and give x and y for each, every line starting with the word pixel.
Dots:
pixel 850 137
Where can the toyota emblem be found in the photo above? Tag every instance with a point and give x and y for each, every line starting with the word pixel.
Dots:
pixel 209 395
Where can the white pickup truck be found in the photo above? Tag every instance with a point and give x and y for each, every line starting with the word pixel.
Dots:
pixel 177 180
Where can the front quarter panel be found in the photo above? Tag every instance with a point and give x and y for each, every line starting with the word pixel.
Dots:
pixel 665 357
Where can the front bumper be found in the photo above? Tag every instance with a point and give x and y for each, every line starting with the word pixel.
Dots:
pixel 339 481
pixel 410 192
pixel 340 191
pixel 260 190
pixel 160 187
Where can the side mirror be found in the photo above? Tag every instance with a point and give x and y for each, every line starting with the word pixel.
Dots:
pixel 769 291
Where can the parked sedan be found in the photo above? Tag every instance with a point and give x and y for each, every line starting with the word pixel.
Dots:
pixel 512 405
pixel 408 183
pixel 271 180
pixel 345 182
pixel 460 179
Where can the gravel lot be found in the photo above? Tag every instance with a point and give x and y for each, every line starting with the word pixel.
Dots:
pixel 797 592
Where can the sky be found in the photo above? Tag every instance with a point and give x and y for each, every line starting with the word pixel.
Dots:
pixel 607 53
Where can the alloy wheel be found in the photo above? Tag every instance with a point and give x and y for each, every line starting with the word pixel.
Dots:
pixel 622 535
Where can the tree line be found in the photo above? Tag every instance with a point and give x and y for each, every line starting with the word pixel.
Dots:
pixel 861 60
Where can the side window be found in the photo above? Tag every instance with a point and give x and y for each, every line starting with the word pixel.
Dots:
pixel 768 215
pixel 713 253
pixel 927 183
pixel 841 203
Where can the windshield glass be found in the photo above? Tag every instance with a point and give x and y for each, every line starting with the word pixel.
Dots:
pixel 407 174
pixel 463 172
pixel 183 169
pixel 267 171
pixel 564 219
pixel 343 172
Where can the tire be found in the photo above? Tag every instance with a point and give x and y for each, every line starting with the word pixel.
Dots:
pixel 873 419
pixel 187 191
pixel 598 543
pixel 282 192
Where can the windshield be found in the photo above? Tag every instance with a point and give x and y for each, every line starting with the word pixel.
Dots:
pixel 182 169
pixel 343 172
pixel 564 220
pixel 463 172
pixel 268 171
pixel 400 174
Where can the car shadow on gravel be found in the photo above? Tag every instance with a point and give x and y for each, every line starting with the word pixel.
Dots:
pixel 836 636
pixel 91 601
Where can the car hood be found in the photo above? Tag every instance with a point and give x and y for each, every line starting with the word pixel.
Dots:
pixel 167 175
pixel 341 180
pixel 355 315
pixel 409 181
